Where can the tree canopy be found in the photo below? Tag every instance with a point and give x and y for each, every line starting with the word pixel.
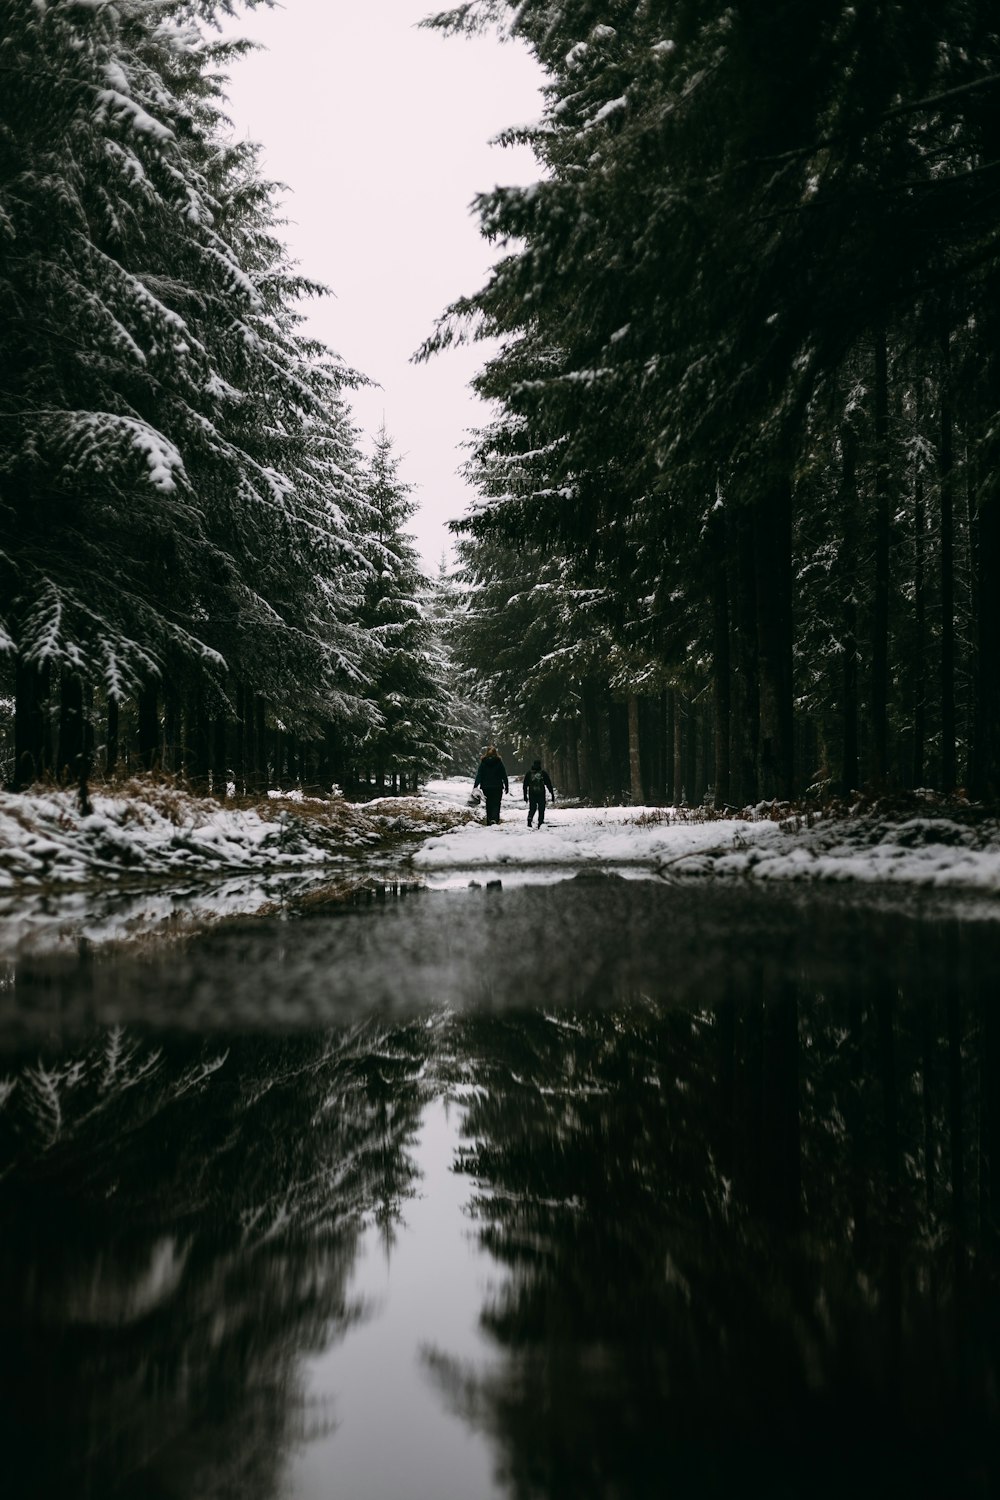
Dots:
pixel 184 498
pixel 758 232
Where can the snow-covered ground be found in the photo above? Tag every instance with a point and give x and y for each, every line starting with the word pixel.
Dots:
pixel 152 859
pixel 149 829
pixel 921 850
pixel 45 839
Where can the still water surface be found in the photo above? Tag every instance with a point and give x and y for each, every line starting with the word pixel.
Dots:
pixel 600 1189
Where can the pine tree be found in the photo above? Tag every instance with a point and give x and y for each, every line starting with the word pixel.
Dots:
pixel 467 715
pixel 409 729
pixel 179 478
pixel 742 207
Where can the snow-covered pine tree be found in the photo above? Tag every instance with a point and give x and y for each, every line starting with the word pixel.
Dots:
pixel 173 454
pixel 409 735
pixel 467 714
pixel 741 205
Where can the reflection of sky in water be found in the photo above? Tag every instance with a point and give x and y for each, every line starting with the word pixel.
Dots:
pixel 394 1435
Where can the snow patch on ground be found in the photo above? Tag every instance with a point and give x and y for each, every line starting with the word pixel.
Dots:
pixel 934 852
pixel 148 829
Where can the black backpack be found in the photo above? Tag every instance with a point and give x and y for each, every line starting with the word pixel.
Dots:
pixel 536 783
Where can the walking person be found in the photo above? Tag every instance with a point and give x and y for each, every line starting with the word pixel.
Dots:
pixel 535 782
pixel 492 777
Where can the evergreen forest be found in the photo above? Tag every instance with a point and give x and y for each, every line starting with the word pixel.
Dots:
pixel 737 533
pixel 201 570
pixel 737 520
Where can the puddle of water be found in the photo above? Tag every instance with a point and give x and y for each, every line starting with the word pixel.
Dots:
pixel 46 922
pixel 425 1281
pixel 718 1207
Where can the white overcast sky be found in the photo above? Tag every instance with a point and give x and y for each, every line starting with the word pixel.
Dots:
pixel 381 133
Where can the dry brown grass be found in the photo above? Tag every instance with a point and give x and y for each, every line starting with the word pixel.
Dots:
pixel 173 800
pixel 414 811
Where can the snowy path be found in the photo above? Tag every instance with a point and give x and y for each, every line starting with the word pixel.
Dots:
pixel 141 833
pixel 921 851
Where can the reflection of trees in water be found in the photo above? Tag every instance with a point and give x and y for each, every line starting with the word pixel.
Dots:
pixel 755 1241
pixel 177 1228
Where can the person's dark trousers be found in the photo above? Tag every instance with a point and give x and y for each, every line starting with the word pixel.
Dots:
pixel 493 805
pixel 536 805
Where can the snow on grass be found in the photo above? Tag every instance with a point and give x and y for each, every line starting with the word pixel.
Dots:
pixel 147 828
pixel 871 846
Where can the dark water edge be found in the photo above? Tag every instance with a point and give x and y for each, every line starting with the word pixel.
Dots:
pixel 360 946
pixel 600 1189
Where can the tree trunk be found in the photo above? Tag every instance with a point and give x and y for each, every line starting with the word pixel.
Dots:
pixel 592 738
pixel 333 770
pixel 278 758
pixel 720 652
pixel 919 679
pixel 31 686
pixel 242 740
pixel 616 715
pixel 72 728
pixel 986 759
pixel 670 785
pixel 172 756
pixel 220 760
pixel 680 717
pixel 691 755
pixel 572 788
pixel 747 674
pixel 636 794
pixel 149 727
pixel 946 471
pixel 198 742
pixel 880 600
pixel 260 744
pixel 849 767
pixel 663 731
pixel 773 572
pixel 974 576
pixel 111 749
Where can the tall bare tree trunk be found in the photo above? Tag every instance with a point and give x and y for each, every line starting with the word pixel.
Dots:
pixel 72 727
pixel 986 759
pixel 149 727
pixel 596 785
pixel 880 601
pixel 636 793
pixel 220 760
pixel 773 568
pixel 747 675
pixel 946 470
pixel 111 749
pixel 919 672
pixel 31 687
pixel 720 652
pixel 670 786
pixel 849 767
pixel 260 744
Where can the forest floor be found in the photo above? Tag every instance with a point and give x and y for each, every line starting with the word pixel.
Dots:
pixel 150 859
pixel 919 839
pixel 152 827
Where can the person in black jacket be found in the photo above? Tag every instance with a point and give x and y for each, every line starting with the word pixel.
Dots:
pixel 535 782
pixel 492 777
